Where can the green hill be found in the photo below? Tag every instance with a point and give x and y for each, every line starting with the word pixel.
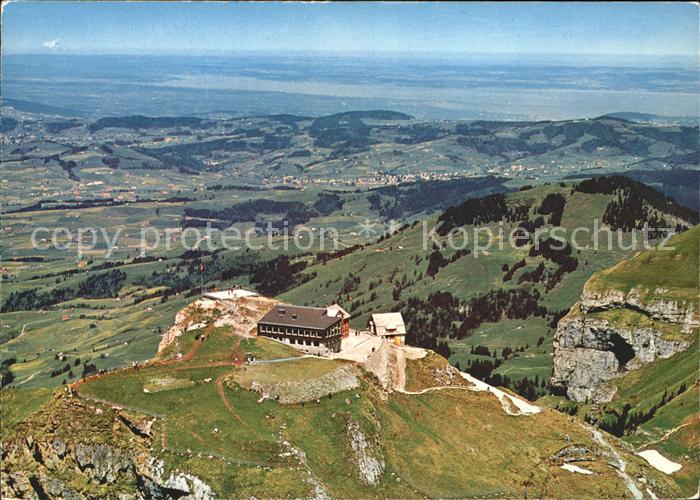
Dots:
pixel 673 268
pixel 491 309
pixel 649 304
pixel 172 427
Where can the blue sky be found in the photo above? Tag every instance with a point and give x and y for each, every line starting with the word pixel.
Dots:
pixel 658 29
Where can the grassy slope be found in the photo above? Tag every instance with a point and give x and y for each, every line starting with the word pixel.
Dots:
pixel 302 369
pixel 16 405
pixel 482 451
pixel 643 389
pixel 122 334
pixel 674 269
pixel 404 255
pixel 675 433
pixel 476 455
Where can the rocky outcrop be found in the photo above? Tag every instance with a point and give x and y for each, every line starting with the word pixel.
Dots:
pixel 191 317
pixel 341 379
pixel 368 457
pixel 240 314
pixel 47 462
pixel 670 311
pixel 52 469
pixel 388 364
pixel 101 462
pixel 48 471
pixel 591 350
pixel 176 484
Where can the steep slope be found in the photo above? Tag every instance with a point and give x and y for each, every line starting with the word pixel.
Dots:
pixel 640 310
pixel 491 308
pixel 626 354
pixel 202 428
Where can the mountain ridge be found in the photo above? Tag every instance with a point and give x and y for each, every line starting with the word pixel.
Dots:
pixel 136 440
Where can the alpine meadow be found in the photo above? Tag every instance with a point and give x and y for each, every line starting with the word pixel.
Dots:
pixel 349 250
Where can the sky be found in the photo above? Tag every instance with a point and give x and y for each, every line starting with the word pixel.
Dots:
pixel 604 29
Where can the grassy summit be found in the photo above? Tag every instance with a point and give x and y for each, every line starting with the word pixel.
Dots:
pixel 364 442
pixel 673 268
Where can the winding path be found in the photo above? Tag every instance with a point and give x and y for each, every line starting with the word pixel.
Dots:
pixel 433 389
pixel 620 463
pixel 227 404
pixel 523 407
pixel 669 432
pixel 29 378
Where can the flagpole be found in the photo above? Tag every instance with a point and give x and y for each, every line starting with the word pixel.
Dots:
pixel 201 267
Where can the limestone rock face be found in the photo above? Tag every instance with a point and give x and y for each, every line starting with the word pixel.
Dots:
pixel 101 462
pixel 341 379
pixel 669 311
pixel 368 456
pixel 589 350
pixel 241 314
pixel 38 469
pixel 184 319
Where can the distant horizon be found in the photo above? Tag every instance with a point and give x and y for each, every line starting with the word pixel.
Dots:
pixel 635 29
pixel 610 114
pixel 438 60
pixel 488 58
pixel 477 88
pixel 404 53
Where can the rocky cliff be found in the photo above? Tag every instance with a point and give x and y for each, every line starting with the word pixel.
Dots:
pixel 622 323
pixel 51 459
pixel 595 345
pixel 241 315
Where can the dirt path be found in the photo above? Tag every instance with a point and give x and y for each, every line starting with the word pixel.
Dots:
pixel 235 359
pixel 669 432
pixel 29 377
pixel 24 329
pixel 432 389
pixel 508 401
pixel 192 352
pixel 620 463
pixel 227 404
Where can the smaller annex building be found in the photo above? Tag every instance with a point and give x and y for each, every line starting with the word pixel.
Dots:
pixel 307 328
pixel 388 325
pixel 336 310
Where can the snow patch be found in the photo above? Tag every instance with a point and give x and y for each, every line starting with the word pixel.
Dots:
pixel 659 462
pixel 524 408
pixel 577 469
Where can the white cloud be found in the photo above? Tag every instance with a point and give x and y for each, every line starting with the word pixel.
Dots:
pixel 51 44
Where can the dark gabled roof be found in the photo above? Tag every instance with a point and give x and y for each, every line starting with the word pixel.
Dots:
pixel 303 317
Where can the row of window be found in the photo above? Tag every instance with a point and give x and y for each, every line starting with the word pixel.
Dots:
pixel 333 346
pixel 303 332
